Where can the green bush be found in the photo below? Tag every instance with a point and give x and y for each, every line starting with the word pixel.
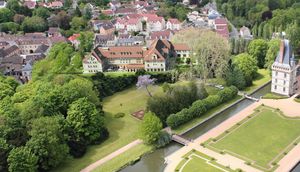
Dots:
pixel 119 115
pixel 199 107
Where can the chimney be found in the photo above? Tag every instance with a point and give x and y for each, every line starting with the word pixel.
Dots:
pixel 281 51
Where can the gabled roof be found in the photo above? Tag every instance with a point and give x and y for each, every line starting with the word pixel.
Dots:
pixel 73 37
pixel 181 47
pixel 173 21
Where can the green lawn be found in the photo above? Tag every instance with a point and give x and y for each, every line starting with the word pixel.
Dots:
pixel 262 78
pixel 274 96
pixel 195 161
pixel 121 130
pixel 124 159
pixel 196 121
pixel 261 138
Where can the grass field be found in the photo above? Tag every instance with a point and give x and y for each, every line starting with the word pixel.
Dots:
pixel 262 78
pixel 124 159
pixel 196 161
pixel 274 96
pixel 262 138
pixel 121 130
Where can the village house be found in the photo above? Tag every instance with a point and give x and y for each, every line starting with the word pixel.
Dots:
pixel 106 29
pixel 221 27
pixel 155 24
pixel 159 56
pixel 183 52
pixel 104 40
pixel 9 51
pixel 125 11
pixel 245 33
pixel 134 25
pixel 284 71
pixel 30 4
pixel 164 34
pixel 173 24
pixel 130 41
pixel 53 32
pixel 74 40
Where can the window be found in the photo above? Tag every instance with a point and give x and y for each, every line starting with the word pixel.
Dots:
pixel 275 80
pixel 284 82
pixel 283 89
pixel 276 73
pixel 275 87
pixel 284 75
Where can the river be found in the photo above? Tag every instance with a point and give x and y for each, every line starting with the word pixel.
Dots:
pixel 154 162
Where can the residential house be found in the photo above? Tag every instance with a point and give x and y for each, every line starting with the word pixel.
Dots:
pixel 245 33
pixel 284 71
pixel 125 11
pixel 54 5
pixel 134 25
pixel 221 27
pixel 173 24
pixel 183 52
pixel 54 32
pixel 12 66
pixel 27 72
pixel 121 23
pixel 107 29
pixel 9 51
pixel 74 40
pixel 164 34
pixel 30 4
pixel 155 24
pixel 114 5
pixel 130 41
pixel 104 40
pixel 159 56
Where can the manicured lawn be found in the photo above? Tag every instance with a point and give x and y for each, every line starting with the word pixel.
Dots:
pixel 274 96
pixel 124 159
pixel 121 130
pixel 196 121
pixel 116 74
pixel 261 138
pixel 196 161
pixel 262 78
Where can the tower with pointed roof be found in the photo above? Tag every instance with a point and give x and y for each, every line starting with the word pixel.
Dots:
pixel 284 71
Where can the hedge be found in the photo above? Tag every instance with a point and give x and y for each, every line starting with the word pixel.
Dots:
pixel 108 85
pixel 199 107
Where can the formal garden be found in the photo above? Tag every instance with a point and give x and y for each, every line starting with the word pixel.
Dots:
pixel 195 161
pixel 253 138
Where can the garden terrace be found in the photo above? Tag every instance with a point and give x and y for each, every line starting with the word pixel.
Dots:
pixel 253 138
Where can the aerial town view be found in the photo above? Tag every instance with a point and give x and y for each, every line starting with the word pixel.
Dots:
pixel 149 85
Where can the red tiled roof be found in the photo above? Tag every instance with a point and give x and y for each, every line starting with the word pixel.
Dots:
pixel 220 21
pixel 181 47
pixel 73 37
pixel 174 21
pixel 122 52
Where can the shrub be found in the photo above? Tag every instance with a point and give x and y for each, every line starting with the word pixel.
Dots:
pixel 164 139
pixel 119 115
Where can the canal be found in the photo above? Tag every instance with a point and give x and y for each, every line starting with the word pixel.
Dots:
pixel 154 162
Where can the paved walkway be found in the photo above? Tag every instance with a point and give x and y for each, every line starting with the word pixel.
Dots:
pixel 111 156
pixel 286 105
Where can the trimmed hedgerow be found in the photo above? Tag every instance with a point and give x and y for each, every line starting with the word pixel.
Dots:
pixel 199 107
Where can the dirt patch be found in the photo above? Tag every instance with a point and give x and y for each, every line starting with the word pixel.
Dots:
pixel 139 114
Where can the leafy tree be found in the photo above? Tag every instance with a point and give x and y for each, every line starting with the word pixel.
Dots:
pixel 235 77
pixel 34 24
pixel 6 15
pixel 9 27
pixel 87 12
pixel 4 150
pixel 145 81
pixel 84 122
pixel 48 141
pixel 247 65
pixel 78 23
pixel 150 128
pixel 86 41
pixel 61 20
pixel 41 12
pixel 258 49
pixel 293 34
pixel 18 18
pixel 22 159
pixel 6 90
pixel 273 49
pixel 13 5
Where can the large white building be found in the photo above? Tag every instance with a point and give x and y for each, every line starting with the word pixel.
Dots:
pixel 284 70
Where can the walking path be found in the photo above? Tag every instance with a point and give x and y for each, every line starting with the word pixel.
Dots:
pixel 93 166
pixel 286 105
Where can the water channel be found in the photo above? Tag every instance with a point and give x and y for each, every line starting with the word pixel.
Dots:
pixel 154 162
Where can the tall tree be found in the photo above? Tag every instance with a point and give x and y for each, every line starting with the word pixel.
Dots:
pixel 48 141
pixel 258 49
pixel 273 49
pixel 22 159
pixel 247 65
pixel 151 128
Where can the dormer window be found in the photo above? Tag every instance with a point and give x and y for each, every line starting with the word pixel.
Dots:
pixel 154 56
